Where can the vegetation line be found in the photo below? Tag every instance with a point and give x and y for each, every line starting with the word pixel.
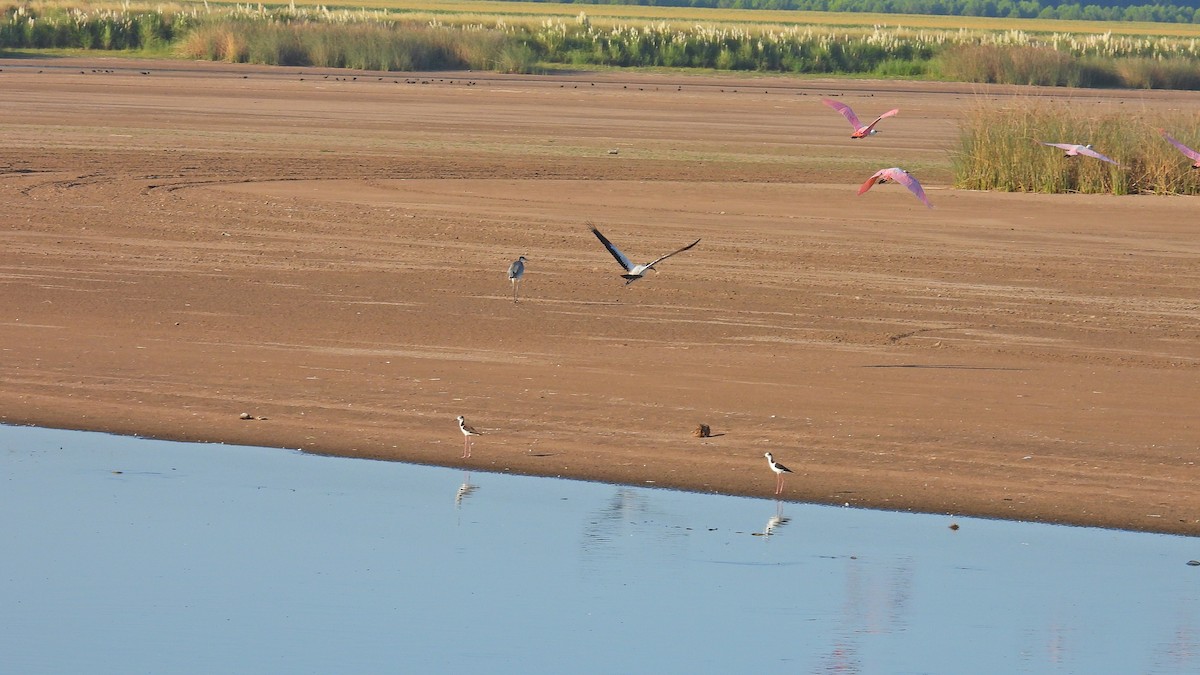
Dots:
pixel 1096 10
pixel 387 40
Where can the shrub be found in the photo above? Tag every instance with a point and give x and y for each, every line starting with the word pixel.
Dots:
pixel 1156 73
pixel 1008 65
pixel 1000 149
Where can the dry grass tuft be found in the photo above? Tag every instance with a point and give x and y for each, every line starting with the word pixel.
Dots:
pixel 1000 149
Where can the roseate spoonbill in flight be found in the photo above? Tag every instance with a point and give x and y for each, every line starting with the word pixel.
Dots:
pixel 900 176
pixel 779 470
pixel 860 130
pixel 467 431
pixel 1074 150
pixel 515 272
pixel 634 272
pixel 1191 154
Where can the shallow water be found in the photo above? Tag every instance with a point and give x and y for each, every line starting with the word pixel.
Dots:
pixel 134 556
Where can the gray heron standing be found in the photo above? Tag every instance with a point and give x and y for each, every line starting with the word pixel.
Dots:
pixel 515 271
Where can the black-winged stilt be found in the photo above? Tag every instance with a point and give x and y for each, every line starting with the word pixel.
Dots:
pixel 468 431
pixel 779 470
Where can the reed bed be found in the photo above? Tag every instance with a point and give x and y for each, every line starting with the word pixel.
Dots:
pixel 382 39
pixel 628 13
pixel 365 46
pixel 24 26
pixel 1000 149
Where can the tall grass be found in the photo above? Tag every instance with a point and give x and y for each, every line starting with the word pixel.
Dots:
pixel 428 39
pixel 1011 65
pixel 1012 57
pixel 1000 149
pixel 366 46
pixel 23 26
pixel 1047 66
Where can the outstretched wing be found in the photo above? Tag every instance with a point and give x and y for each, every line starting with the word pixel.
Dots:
pixel 1192 154
pixel 890 113
pixel 846 112
pixel 1084 150
pixel 1063 146
pixel 616 252
pixel 651 265
pixel 871 181
pixel 906 179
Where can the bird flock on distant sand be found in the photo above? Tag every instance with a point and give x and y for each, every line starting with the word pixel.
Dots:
pixel 631 272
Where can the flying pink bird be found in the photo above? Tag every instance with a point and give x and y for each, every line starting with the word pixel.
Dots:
pixel 1075 150
pixel 900 176
pixel 1191 154
pixel 860 131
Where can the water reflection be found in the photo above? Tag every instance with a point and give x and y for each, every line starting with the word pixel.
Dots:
pixel 464 490
pixel 615 519
pixel 875 603
pixel 1183 647
pixel 776 521
pixel 207 558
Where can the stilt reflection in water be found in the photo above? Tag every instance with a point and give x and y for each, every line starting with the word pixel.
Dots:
pixel 776 521
pixel 464 490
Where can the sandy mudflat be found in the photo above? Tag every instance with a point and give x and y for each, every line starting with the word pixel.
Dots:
pixel 183 243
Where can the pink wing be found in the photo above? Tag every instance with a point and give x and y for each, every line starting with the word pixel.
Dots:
pixel 871 181
pixel 900 176
pixel 905 178
pixel 1062 146
pixel 1084 150
pixel 846 112
pixel 890 113
pixel 1192 154
pixel 1076 149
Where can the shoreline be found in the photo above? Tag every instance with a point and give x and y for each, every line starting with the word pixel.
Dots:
pixel 195 243
pixel 796 489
